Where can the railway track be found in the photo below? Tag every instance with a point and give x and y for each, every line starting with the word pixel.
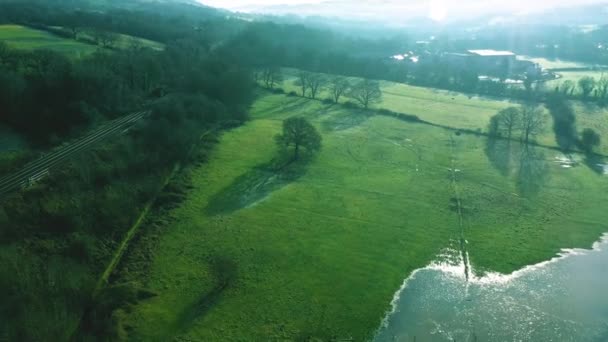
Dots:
pixel 40 168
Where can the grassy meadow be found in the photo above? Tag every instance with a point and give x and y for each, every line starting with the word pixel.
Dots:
pixel 555 64
pixel 462 111
pixel 25 38
pixel 321 255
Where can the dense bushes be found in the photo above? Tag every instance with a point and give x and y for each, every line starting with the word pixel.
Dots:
pixel 72 221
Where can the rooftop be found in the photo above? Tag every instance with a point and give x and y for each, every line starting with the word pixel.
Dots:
pixel 486 53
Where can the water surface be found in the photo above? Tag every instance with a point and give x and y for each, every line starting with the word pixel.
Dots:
pixel 565 299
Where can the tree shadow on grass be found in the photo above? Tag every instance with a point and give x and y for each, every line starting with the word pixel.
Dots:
pixel 224 271
pixel 499 153
pixel 596 164
pixel 533 171
pixel 255 185
pixel 345 120
pixel 525 162
pixel 292 104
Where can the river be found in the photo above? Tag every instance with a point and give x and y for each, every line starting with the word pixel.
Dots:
pixel 564 299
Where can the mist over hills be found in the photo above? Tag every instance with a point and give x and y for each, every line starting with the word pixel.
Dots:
pixel 434 12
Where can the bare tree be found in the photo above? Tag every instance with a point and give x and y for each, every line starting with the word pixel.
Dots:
pixel 568 87
pixel 316 83
pixel 366 92
pixel 602 87
pixel 302 81
pixel 338 86
pixel 272 76
pixel 532 122
pixel 509 120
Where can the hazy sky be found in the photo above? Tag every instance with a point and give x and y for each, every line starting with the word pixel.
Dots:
pixel 393 9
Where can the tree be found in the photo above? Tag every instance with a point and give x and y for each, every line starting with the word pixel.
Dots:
pixel 532 122
pixel 300 134
pixel 589 140
pixel 564 121
pixel 272 76
pixel 103 37
pixel 366 92
pixel 587 84
pixel 508 120
pixel 316 83
pixel 338 86
pixel 602 88
pixel 302 81
pixel 568 87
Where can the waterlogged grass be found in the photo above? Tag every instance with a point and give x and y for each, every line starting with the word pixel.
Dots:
pixel 320 256
pixel 25 38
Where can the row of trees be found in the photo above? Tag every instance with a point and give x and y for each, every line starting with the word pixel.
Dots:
pixel 364 92
pixel 589 88
pixel 526 122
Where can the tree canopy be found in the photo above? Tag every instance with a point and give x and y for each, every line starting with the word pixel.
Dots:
pixel 299 134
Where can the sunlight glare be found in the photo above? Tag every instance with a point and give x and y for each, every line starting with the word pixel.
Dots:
pixel 438 10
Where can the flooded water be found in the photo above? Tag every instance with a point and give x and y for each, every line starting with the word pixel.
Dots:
pixel 565 299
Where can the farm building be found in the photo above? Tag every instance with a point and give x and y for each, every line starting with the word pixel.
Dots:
pixel 493 61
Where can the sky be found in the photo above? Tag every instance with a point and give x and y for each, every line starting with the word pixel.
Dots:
pixel 438 10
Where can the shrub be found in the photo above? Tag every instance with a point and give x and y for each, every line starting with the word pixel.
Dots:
pixel 278 91
pixel 327 101
pixel 292 94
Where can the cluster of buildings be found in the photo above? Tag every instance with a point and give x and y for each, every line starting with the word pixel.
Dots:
pixel 486 63
pixel 492 63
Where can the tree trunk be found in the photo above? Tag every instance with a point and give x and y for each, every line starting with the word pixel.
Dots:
pixel 296 154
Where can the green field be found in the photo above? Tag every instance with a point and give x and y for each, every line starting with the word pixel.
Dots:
pixel 321 256
pixel 462 111
pixel 21 37
pixel 575 76
pixel 26 38
pixel 437 106
pixel 555 64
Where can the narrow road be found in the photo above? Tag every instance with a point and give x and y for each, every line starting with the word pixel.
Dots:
pixel 40 168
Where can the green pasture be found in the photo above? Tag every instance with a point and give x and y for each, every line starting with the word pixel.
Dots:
pixel 437 106
pixel 556 63
pixel 21 37
pixel 462 111
pixel 320 255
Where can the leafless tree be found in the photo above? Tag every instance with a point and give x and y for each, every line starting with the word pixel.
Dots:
pixel 532 122
pixel 509 120
pixel 366 92
pixel 316 83
pixel 602 87
pixel 303 82
pixel 272 76
pixel 568 87
pixel 338 86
